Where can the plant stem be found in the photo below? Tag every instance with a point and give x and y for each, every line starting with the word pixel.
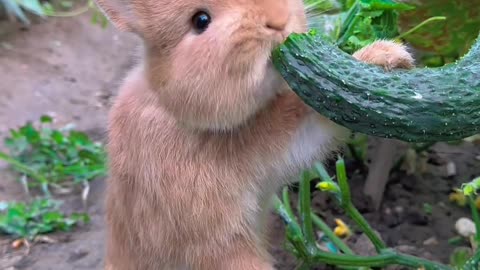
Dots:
pixel 324 176
pixel 67 14
pixel 293 230
pixel 305 212
pixel 476 219
pixel 416 262
pixel 350 209
pixel 386 258
pixel 331 235
pixel 286 202
pixel 343 182
pixel 353 213
pixel 348 24
pixel 420 25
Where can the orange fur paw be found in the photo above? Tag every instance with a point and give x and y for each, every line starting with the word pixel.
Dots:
pixel 387 54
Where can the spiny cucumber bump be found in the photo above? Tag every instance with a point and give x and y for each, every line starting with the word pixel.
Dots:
pixel 420 105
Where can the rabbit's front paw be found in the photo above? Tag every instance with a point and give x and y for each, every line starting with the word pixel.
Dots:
pixel 387 54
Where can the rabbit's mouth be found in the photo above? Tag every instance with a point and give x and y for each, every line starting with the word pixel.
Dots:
pixel 279 37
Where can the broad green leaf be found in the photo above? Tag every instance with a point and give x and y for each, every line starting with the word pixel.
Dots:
pixel 448 39
pixel 30 133
pixel 57 137
pixel 52 217
pixel 38 217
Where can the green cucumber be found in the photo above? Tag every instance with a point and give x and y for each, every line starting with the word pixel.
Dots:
pixel 419 105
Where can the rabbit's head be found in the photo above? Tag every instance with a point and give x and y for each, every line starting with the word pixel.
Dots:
pixel 209 60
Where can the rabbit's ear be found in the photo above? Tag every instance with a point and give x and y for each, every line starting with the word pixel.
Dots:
pixel 118 12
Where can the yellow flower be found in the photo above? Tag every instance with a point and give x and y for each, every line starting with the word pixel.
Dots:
pixel 458 197
pixel 328 186
pixel 342 229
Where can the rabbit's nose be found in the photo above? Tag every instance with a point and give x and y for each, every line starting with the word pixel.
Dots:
pixel 277 14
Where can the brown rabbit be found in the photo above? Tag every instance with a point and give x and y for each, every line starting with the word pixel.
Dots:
pixel 204 131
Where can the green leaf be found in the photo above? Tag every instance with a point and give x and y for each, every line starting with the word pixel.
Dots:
pixel 79 138
pixel 57 137
pixel 30 133
pixel 50 156
pixel 448 39
pixel 48 8
pixel 46 119
pixel 66 4
pixel 38 217
pixel 52 217
pixel 459 257
pixel 12 7
pixel 33 6
pixel 385 26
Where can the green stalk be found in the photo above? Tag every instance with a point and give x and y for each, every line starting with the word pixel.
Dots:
pixel 331 235
pixel 324 176
pixel 348 24
pixel 382 260
pixel 476 219
pixel 305 212
pixel 295 237
pixel 343 182
pixel 420 25
pixel 353 213
pixel 293 230
pixel 286 202
pixel 72 13
pixel 416 262
pixel 350 209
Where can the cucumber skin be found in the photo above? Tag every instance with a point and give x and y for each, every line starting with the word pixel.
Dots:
pixel 419 105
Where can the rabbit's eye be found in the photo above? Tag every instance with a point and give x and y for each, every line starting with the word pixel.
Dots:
pixel 200 21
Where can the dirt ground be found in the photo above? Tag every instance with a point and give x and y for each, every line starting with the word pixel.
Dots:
pixel 69 68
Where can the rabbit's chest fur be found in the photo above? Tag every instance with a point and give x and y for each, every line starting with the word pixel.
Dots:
pixel 199 190
pixel 314 139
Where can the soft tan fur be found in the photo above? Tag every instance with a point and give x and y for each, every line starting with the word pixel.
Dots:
pixel 386 53
pixel 203 132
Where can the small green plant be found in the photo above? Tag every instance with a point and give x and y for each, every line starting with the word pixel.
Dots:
pixel 62 8
pixel 17 8
pixel 41 216
pixel 301 240
pixel 427 208
pixel 359 23
pixel 48 157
